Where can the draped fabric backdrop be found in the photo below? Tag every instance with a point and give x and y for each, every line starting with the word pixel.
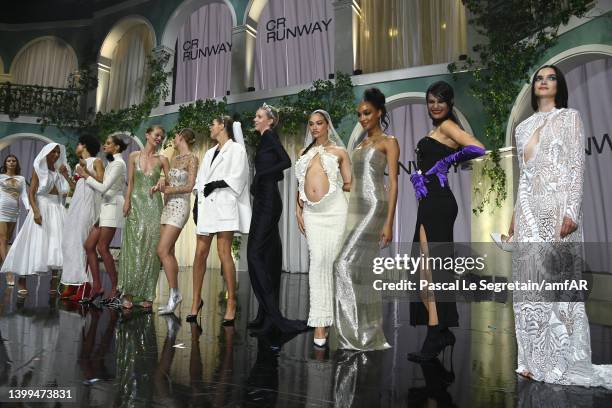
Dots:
pixel 203 54
pixel 410 123
pixel 397 34
pixel 47 62
pixel 26 150
pixel 129 69
pixel 590 92
pixel 298 49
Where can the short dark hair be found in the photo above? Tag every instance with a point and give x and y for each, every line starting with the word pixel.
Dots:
pixel 378 100
pixel 91 143
pixel 444 92
pixel 119 142
pixel 562 93
pixel 17 168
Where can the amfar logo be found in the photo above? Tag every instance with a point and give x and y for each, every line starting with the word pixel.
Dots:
pixel 192 51
pixel 599 147
pixel 277 30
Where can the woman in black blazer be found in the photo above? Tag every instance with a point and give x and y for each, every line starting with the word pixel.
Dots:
pixel 264 249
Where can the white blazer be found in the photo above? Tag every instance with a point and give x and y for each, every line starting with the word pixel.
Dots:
pixel 111 188
pixel 225 209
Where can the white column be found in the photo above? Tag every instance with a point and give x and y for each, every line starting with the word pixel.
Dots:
pixel 103 67
pixel 346 15
pixel 243 58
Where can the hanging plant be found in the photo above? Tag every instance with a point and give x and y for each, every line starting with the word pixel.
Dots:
pixel 518 32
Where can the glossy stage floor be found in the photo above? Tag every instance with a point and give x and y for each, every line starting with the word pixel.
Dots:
pixel 141 359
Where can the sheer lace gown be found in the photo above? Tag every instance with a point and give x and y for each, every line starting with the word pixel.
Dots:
pixel 553 337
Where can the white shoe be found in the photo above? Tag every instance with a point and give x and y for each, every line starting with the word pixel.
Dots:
pixel 320 342
pixel 173 302
pixel 505 245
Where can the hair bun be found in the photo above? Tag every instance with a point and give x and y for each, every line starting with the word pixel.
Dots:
pixel 375 97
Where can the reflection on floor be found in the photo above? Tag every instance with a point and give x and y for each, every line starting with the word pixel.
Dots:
pixel 143 359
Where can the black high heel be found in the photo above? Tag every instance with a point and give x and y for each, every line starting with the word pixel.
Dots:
pixel 436 341
pixel 194 317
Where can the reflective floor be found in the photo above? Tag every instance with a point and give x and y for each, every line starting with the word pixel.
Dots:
pixel 141 359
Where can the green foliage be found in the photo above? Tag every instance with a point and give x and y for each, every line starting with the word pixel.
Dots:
pixel 518 32
pixel 103 124
pixel 199 116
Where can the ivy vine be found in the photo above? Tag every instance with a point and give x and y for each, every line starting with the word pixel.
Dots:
pixel 518 33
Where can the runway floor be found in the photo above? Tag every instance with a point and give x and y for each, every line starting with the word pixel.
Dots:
pixel 109 358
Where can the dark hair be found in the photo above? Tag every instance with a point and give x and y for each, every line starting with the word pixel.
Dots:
pixel 377 99
pixel 562 94
pixel 17 168
pixel 314 141
pixel 119 142
pixel 228 122
pixel 443 92
pixel 188 135
pixel 91 143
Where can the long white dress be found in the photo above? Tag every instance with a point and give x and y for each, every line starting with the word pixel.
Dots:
pixel 38 248
pixel 81 216
pixel 12 189
pixel 553 337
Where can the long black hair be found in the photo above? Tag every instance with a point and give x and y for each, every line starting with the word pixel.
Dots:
pixel 228 123
pixel 314 140
pixel 562 94
pixel 378 100
pixel 443 92
pixel 17 168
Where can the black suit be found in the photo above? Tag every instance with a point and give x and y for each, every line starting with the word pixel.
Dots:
pixel 264 249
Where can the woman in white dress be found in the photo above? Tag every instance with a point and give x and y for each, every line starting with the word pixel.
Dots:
pixel 12 188
pixel 323 172
pixel 553 336
pixel 224 208
pixel 82 215
pixel 111 217
pixel 181 179
pixel 38 246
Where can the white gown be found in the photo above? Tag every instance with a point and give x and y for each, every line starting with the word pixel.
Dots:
pixel 82 215
pixel 12 189
pixel 38 248
pixel 553 337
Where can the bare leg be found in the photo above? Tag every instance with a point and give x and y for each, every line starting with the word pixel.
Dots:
pixel 224 247
pixel 427 297
pixel 165 250
pixel 8 231
pixel 92 258
pixel 106 236
pixel 199 269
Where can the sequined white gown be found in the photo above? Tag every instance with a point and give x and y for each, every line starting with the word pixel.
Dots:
pixel 553 338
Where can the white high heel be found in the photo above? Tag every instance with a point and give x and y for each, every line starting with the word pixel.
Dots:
pixel 505 245
pixel 173 302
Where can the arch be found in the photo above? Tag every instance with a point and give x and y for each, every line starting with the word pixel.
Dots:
pixel 118 30
pixel 182 13
pixel 565 60
pixel 253 12
pixel 37 40
pixel 406 98
pixel 8 140
pixel 1 65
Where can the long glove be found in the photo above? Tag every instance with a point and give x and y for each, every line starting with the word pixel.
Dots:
pixel 440 169
pixel 212 186
pixel 418 182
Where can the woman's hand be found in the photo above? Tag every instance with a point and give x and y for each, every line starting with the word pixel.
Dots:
pixel 37 217
pixel 63 170
pixel 81 171
pixel 299 214
pixel 568 226
pixel 126 208
pixel 386 236
pixel 506 238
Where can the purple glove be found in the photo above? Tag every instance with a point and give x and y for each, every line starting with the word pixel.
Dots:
pixel 440 169
pixel 418 182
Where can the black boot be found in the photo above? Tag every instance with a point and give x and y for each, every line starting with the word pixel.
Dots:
pixel 437 339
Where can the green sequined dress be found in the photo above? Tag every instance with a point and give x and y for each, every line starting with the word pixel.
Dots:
pixel 139 265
